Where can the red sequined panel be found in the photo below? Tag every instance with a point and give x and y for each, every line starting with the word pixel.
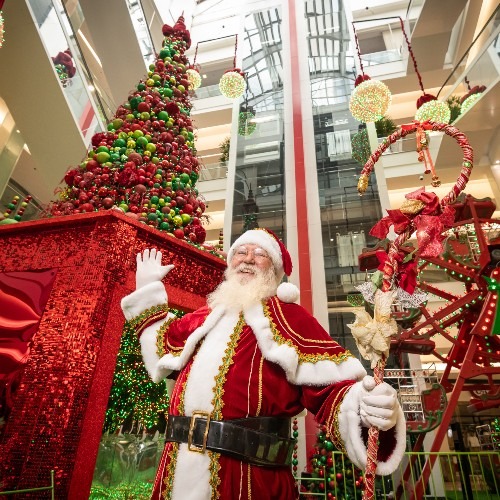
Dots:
pixel 58 410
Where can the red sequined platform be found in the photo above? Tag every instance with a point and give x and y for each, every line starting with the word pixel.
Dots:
pixel 61 282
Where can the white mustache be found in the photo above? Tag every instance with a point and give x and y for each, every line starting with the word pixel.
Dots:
pixel 244 268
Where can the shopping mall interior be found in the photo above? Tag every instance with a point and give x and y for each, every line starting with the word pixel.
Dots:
pixel 287 154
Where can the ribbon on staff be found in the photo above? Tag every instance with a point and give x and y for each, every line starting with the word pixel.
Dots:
pixel 422 212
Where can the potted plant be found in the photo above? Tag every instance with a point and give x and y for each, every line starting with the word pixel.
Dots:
pixel 385 127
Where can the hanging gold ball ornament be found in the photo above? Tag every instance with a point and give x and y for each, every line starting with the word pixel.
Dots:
pixel 232 84
pixel 434 111
pixel 369 101
pixel 469 102
pixel 194 79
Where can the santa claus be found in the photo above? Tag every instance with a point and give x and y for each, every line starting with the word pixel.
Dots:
pixel 245 364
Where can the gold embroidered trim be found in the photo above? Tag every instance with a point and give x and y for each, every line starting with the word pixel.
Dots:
pixel 314 341
pixel 160 340
pixel 218 403
pixel 214 474
pixel 249 468
pixel 304 358
pixel 332 422
pixel 260 387
pixel 139 322
pixel 169 476
pixel 227 361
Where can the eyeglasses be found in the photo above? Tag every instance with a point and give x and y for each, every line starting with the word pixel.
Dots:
pixel 258 253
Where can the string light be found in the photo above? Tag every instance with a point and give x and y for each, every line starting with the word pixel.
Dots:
pixel 469 102
pixel 434 111
pixel 193 78
pixel 232 84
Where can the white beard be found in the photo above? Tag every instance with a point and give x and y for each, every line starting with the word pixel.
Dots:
pixel 238 293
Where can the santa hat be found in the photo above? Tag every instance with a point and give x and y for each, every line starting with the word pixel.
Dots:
pixel 269 241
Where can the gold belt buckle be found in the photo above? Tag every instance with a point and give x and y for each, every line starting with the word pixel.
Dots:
pixel 198 414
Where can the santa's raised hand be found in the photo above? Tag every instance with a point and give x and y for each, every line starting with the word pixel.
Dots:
pixel 149 268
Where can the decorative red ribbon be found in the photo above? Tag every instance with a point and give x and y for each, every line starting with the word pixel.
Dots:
pixel 409 127
pixel 429 223
pixel 407 271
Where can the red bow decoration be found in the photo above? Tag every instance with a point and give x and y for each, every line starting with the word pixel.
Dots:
pixel 429 223
pixel 407 271
pixel 408 127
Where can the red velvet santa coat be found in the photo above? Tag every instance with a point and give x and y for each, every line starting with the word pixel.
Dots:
pixel 273 359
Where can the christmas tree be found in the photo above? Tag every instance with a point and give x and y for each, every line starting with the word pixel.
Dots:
pixel 146 164
pixel 332 474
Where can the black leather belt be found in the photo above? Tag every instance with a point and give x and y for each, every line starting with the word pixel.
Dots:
pixel 261 441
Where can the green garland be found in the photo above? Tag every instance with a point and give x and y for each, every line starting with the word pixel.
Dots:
pixel 133 392
pixel 138 490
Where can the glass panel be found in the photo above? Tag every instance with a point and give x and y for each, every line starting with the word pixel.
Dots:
pixel 58 38
pixel 259 185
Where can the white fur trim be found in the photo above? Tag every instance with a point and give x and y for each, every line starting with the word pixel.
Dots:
pixel 323 372
pixel 170 362
pixel 264 240
pixel 192 475
pixel 192 472
pixel 149 350
pixel 350 429
pixel 148 296
pixel 288 292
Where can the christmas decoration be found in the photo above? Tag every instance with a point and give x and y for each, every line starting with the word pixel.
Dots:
pixel 65 68
pixel 233 83
pixel 194 78
pixel 330 472
pixel 138 490
pixel 371 98
pixel 145 164
pixel 59 407
pixel 360 146
pixel 473 95
pixel 435 111
pixel 246 125
pixel 15 210
pixel 429 216
pixel 133 394
pixel 369 101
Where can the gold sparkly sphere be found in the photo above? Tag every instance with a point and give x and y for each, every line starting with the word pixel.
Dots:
pixel 369 101
pixel 232 85
pixel 434 111
pixel 469 102
pixel 193 78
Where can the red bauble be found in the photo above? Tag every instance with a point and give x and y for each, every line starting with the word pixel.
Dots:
pixel 179 233
pixel 107 202
pixel 87 207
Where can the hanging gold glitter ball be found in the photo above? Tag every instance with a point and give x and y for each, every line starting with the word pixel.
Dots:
pixel 369 101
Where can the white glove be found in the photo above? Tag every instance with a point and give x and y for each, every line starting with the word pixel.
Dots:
pixel 378 404
pixel 149 268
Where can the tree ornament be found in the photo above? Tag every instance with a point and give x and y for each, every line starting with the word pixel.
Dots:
pixel 232 84
pixel 473 95
pixel 433 111
pixel 147 154
pixel 369 101
pixel 194 79
pixel 246 125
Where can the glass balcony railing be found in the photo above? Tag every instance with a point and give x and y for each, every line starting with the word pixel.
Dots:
pixel 57 35
pixel 208 91
pixel 479 66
